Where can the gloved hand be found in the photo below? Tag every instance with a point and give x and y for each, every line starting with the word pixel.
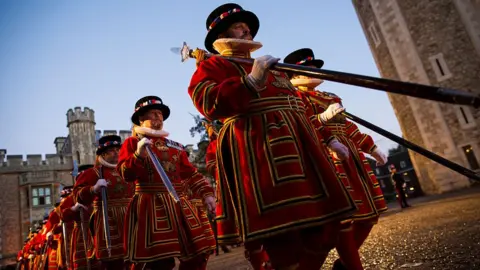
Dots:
pixel 332 110
pixel 98 186
pixel 211 205
pixel 30 256
pixel 77 207
pixel 259 74
pixel 380 157
pixel 49 234
pixel 339 150
pixel 141 146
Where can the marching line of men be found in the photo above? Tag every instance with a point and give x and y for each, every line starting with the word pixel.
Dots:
pixel 292 179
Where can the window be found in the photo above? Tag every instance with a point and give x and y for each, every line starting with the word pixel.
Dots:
pixel 41 196
pixel 78 158
pixel 403 164
pixel 440 67
pixel 471 158
pixel 374 34
pixel 465 117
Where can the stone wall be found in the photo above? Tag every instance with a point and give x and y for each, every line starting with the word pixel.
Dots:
pixel 404 36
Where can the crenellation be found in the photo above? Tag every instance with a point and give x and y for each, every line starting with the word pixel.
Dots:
pixel 34 160
pixel 109 132
pixel 16 163
pixel 3 153
pixel 124 134
pixel 77 115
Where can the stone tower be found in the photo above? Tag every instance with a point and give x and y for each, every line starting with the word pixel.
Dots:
pixel 434 43
pixel 81 127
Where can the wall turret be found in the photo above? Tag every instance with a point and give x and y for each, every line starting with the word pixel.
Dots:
pixel 81 126
pixel 59 143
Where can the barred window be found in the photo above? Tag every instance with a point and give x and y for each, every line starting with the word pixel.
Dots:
pixel 41 195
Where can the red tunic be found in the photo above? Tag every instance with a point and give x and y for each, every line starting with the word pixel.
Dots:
pixel 352 171
pixel 51 226
pixel 119 194
pixel 367 145
pixel 268 153
pixel 227 224
pixel 77 248
pixel 156 227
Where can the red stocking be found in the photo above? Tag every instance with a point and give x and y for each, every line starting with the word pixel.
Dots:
pixel 348 251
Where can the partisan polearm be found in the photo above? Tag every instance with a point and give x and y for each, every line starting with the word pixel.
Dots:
pixel 106 226
pixel 422 91
pixel 422 151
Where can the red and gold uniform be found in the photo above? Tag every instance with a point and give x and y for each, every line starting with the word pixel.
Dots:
pixel 77 248
pixel 283 188
pixel 361 182
pixel 254 252
pixel 227 228
pixel 54 249
pixel 156 227
pixel 119 194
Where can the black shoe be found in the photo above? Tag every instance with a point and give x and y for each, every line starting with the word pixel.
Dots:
pixel 338 265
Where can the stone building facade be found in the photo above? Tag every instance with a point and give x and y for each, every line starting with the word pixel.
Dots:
pixel 432 43
pixel 30 187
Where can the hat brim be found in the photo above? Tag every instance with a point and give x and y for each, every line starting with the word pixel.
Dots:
pixel 315 62
pixel 243 16
pixel 104 149
pixel 162 107
pixel 318 63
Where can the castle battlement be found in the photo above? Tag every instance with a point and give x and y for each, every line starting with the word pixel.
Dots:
pixel 77 115
pixel 122 133
pixel 13 163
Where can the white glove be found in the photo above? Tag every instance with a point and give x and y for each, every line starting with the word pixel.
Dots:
pixel 49 234
pixel 259 74
pixel 30 256
pixel 339 150
pixel 21 258
pixel 332 110
pixel 98 186
pixel 141 146
pixel 77 207
pixel 380 157
pixel 211 205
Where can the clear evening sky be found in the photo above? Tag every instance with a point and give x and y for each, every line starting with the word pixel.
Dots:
pixel 105 55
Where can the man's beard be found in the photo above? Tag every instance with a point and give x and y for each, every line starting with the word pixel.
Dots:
pixel 157 125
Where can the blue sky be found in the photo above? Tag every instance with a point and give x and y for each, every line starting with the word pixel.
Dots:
pixel 105 55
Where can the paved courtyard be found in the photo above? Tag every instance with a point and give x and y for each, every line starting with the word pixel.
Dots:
pixel 438 232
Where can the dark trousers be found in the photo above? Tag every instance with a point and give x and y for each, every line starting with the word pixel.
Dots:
pixel 402 199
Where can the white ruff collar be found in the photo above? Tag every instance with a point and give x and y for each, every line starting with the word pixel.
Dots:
pixel 233 46
pixel 106 163
pixel 310 82
pixel 151 132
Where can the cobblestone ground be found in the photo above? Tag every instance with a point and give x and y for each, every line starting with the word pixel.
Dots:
pixel 437 233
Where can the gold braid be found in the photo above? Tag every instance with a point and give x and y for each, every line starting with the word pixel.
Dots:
pixel 199 55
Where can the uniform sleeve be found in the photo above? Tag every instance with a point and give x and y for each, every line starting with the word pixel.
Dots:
pixel 195 181
pixel 211 158
pixel 130 166
pixel 67 215
pixel 363 141
pixel 313 109
pixel 83 189
pixel 218 90
pixel 53 220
